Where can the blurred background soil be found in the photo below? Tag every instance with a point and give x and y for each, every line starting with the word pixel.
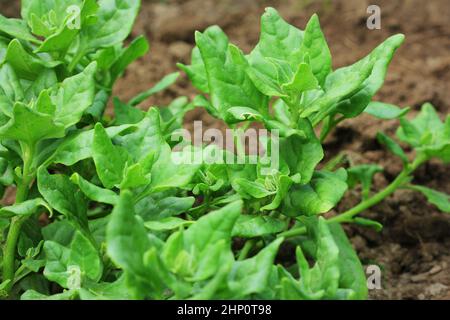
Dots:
pixel 413 249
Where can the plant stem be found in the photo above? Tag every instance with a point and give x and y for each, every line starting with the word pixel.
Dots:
pixel 293 233
pixel 347 216
pixel 240 148
pixel 10 250
pixel 329 126
pixel 246 249
pixel 74 62
pixel 294 107
pixel 380 196
pixel 17 222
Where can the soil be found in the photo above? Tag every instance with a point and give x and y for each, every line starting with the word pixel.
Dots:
pixel 413 249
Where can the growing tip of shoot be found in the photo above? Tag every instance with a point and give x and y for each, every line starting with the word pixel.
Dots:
pixel 400 37
pixel 270 11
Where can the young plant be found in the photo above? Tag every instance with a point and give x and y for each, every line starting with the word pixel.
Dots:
pixel 110 210
pixel 58 65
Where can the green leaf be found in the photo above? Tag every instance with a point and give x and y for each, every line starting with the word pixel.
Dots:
pixel 44 103
pixel 321 195
pixel 339 85
pixel 229 84
pixel 173 169
pixel 166 82
pixel 162 278
pixel 84 255
pixel 278 40
pixel 16 28
pixel 116 290
pixel 251 226
pixel 162 205
pixel 30 126
pixel 283 185
pixel 385 111
pixel 26 65
pixel 137 49
pixel 393 146
pixel 78 146
pixel 285 131
pixel 62 232
pixel 11 89
pixel 59 41
pixel 322 280
pixel 314 45
pixel 147 137
pixel 281 112
pixel 173 115
pixel 363 173
pixel 439 199
pixel 273 185
pixel 61 36
pixel 62 195
pixel 127 243
pixel 303 80
pixel 47 79
pixel 170 169
pixel 94 192
pixel 255 189
pixel 110 160
pixel 427 134
pixel 379 60
pixel 34 295
pixel 212 228
pixel 244 114
pixel 57 263
pixel 138 175
pixel 115 19
pixel 302 154
pixel 251 276
pixel 198 253
pixel 74 96
pixel 165 224
pixel 368 223
pixel 25 208
pixel 196 71
pixel 126 114
pixel 349 90
pixel 106 57
pixel 69 266
pixel 98 107
pixel 56 8
pixel 39 27
pixel 352 275
pixel 287 61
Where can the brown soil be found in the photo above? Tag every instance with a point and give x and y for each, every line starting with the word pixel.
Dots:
pixel 414 247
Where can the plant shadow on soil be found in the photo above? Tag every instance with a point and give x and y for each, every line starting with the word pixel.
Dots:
pixel 413 250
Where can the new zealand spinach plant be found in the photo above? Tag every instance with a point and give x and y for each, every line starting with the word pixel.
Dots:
pixel 103 211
